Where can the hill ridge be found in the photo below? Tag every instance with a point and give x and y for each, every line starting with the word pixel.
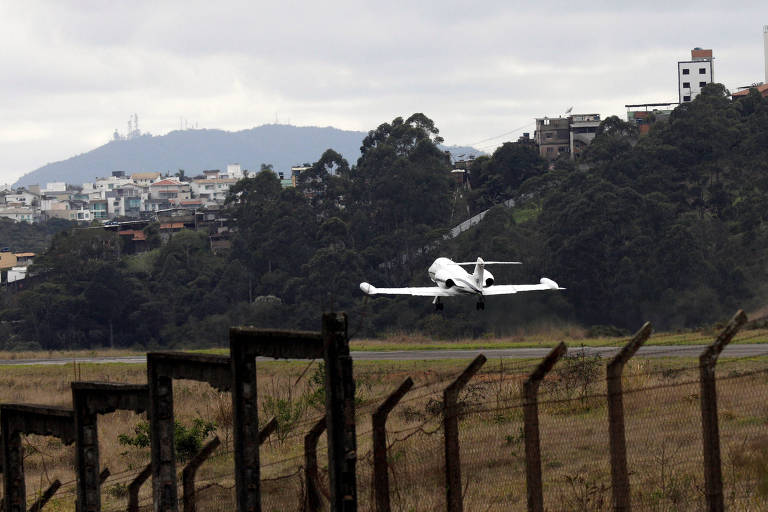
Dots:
pixel 196 150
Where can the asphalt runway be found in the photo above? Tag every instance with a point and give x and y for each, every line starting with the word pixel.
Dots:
pixel 737 350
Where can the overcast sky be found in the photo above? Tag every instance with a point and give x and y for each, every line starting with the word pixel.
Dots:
pixel 72 72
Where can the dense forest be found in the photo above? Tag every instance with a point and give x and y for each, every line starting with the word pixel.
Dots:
pixel 670 227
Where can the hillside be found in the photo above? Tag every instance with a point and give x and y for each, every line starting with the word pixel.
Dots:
pixel 197 150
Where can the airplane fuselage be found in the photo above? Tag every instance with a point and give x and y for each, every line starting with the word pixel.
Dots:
pixel 452 276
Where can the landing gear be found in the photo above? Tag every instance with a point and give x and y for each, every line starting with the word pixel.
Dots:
pixel 480 305
pixel 438 305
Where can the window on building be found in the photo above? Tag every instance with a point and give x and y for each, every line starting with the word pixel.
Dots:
pixel 549 150
pixel 548 135
pixel 686 71
pixel 702 71
pixel 702 84
pixel 686 98
pixel 686 85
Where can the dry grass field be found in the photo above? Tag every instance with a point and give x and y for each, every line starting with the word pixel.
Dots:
pixel 662 417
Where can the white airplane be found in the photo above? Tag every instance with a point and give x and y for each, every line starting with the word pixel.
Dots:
pixel 452 280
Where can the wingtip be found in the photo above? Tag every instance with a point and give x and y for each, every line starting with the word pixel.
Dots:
pixel 550 283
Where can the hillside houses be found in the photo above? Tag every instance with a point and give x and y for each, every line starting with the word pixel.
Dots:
pixel 139 196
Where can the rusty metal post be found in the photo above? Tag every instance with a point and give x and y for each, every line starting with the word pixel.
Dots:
pixel 135 487
pixel 38 505
pixel 188 474
pixel 713 478
pixel 340 413
pixel 618 443
pixel 454 500
pixel 312 502
pixel 380 465
pixel 531 428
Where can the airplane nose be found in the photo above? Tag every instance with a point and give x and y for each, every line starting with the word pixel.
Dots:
pixel 367 288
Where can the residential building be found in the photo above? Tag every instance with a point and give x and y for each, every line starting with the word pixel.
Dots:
pixel 54 187
pixel 21 213
pixel 53 208
pixel 24 259
pixel 695 74
pixel 145 179
pixel 7 259
pixel 553 135
pixel 761 88
pixel 98 209
pixel 284 182
pixel 22 198
pixel 645 114
pixel 565 135
pixel 583 128
pixel 212 190
pixel 234 171
pixel 169 189
pixel 296 170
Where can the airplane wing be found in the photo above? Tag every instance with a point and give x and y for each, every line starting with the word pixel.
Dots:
pixel 426 291
pixel 504 289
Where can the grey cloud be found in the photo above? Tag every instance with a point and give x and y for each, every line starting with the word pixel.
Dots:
pixel 478 70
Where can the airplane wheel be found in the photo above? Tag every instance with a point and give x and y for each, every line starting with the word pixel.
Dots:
pixel 480 306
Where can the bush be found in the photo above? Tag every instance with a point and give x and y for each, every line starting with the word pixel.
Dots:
pixel 187 440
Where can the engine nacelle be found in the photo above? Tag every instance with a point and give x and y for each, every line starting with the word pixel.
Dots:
pixel 487 279
pixel 443 278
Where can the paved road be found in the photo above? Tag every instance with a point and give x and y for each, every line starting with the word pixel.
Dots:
pixel 748 350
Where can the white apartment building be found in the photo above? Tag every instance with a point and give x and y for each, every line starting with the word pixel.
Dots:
pixel 20 214
pixel 56 186
pixel 693 75
pixel 234 171
pixel 145 179
pixel 212 190
pixel 22 199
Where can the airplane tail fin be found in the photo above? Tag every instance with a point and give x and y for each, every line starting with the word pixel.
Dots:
pixel 477 275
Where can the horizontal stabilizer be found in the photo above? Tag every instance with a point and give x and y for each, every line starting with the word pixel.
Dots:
pixel 503 289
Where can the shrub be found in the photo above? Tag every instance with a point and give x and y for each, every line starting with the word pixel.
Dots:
pixel 187 440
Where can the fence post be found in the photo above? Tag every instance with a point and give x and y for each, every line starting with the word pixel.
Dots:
pixel 312 503
pixel 135 486
pixel 38 505
pixel 713 479
pixel 380 465
pixel 619 475
pixel 531 428
pixel 162 443
pixel 454 501
pixel 340 413
pixel 13 472
pixel 188 474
